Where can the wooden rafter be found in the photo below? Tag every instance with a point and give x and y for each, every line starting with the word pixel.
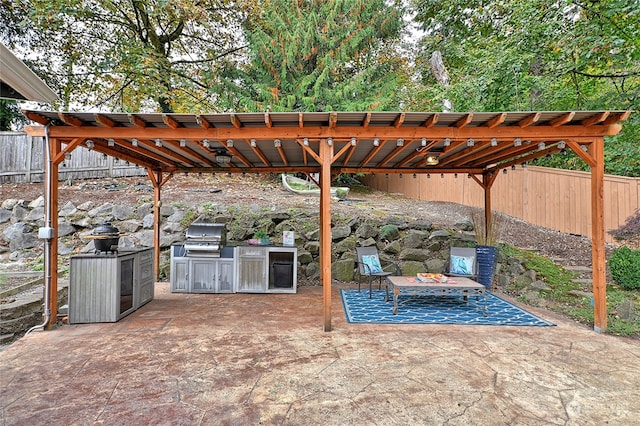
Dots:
pixel 528 158
pixel 562 120
pixel 509 153
pixel 259 153
pixel 137 121
pixel 595 119
pixel 372 153
pixel 469 154
pixel 399 120
pixel 236 154
pixel 616 118
pixel 496 121
pixel 352 150
pixel 310 151
pixel 431 121
pixel 70 120
pixel 267 120
pixel 333 120
pixel 202 122
pixel 169 121
pixel 190 152
pixel 396 151
pixel 283 155
pixel 367 120
pixel 235 121
pixel 104 121
pixel 464 121
pixel 530 120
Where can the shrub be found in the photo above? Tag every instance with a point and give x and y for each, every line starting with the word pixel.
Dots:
pixel 624 265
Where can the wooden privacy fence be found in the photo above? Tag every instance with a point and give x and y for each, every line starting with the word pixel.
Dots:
pixel 21 161
pixel 551 198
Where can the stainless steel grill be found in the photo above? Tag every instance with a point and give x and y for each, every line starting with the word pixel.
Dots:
pixel 205 239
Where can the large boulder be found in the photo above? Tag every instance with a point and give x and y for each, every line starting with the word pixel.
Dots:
pixel 366 231
pixel 342 270
pixel 340 232
pixel 414 254
pixel 412 268
pixel 414 239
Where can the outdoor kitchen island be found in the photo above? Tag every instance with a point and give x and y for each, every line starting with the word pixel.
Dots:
pixel 234 269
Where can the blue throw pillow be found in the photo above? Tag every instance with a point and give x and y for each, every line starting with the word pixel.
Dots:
pixel 462 265
pixel 373 264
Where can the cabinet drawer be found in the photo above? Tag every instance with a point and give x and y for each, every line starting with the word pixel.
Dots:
pixel 146 273
pixel 146 256
pixel 251 251
pixel 146 293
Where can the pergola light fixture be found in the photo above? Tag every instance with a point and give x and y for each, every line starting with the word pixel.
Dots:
pixel 305 141
pixel 206 143
pixel 376 142
pixel 517 142
pixel 253 143
pixel 541 146
pixel 494 142
pixel 562 144
pixel 277 143
pixel 431 160
pixel 134 142
pixel 111 142
pixel 423 142
pixel 470 142
pixel 229 143
pixel 447 142
pixel 183 143
pixel 329 141
pixel 223 156
pixel 353 141
pixel 400 142
pixel 89 143
pixel 158 142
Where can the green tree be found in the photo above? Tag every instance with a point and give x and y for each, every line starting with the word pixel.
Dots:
pixel 11 117
pixel 319 55
pixel 135 54
pixel 539 55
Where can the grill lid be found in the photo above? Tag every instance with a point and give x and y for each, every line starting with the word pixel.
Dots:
pixel 207 233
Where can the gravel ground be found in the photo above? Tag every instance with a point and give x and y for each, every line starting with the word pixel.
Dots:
pixel 267 191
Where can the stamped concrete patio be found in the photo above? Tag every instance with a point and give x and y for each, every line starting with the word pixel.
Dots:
pixel 248 359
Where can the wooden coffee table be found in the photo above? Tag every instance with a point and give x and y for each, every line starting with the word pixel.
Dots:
pixel 457 286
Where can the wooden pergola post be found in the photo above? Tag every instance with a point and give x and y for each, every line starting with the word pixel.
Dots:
pixel 158 180
pixel 326 155
pixel 598 237
pixel 51 218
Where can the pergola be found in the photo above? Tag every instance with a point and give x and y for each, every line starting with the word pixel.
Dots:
pixel 328 143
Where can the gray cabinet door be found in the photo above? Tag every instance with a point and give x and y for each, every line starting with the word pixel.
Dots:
pixel 225 273
pixel 180 275
pixel 203 276
pixel 252 270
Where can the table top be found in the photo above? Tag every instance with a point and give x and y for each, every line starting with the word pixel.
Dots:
pixel 454 282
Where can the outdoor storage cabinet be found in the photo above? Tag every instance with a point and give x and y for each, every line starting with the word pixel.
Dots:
pixel 106 287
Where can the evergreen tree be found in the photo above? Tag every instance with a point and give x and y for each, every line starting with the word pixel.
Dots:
pixel 11 117
pixel 318 55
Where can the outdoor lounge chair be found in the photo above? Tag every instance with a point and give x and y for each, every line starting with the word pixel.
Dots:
pixel 369 266
pixel 462 262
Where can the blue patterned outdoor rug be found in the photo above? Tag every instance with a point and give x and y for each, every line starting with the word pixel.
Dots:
pixel 416 309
